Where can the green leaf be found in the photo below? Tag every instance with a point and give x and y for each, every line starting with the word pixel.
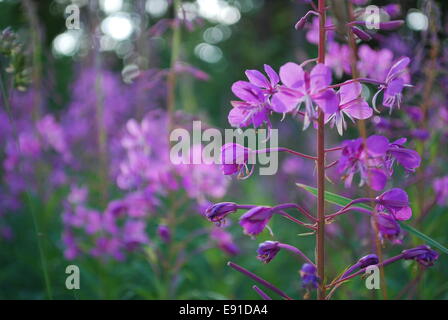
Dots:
pixel 343 201
pixel 423 236
pixel 334 198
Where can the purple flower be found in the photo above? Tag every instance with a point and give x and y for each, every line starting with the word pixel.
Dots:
pixel 309 88
pixel 409 159
pixel 368 260
pixel 422 254
pixel 234 159
pixel 225 241
pixel 134 234
pixel 253 109
pixel 218 212
pixel 394 84
pixel 367 159
pixel 393 10
pixel 338 58
pixel 255 220
pixel 164 233
pixel 396 202
pixel 269 86
pixel 388 227
pixel 351 104
pixel 374 160
pixel 267 251
pixel 440 186
pixel 308 273
pixel 374 64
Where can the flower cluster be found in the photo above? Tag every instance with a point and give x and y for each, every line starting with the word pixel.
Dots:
pixel 309 92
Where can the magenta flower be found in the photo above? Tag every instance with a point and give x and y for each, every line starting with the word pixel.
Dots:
pixel 351 105
pixel 374 160
pixel 309 88
pixel 253 109
pixel 422 254
pixel 235 160
pixel 440 186
pixel 308 273
pixel 409 159
pixel 394 84
pixel 366 159
pixel 396 202
pixel 255 220
pixel 225 241
pixel 164 233
pixel 218 212
pixel 368 260
pixel 388 228
pixel 269 86
pixel 267 251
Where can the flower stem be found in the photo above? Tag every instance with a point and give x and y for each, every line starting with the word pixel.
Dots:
pixel 305 156
pixel 320 234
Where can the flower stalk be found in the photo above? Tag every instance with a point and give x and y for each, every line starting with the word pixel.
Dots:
pixel 320 234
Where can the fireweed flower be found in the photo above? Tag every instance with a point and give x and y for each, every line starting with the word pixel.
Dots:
pixel 225 241
pixel 269 86
pixel 235 160
pixel 253 109
pixel 364 262
pixel 440 186
pixel 351 105
pixel 394 85
pixel 309 88
pixel 218 212
pixel 396 202
pixel 368 260
pixel 374 160
pixel 164 233
pixel 388 227
pixel 255 220
pixel 308 273
pixel 267 251
pixel 409 159
pixel 365 159
pixel 422 254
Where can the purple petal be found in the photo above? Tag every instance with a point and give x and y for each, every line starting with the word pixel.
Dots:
pixel 350 92
pixel 257 78
pixel 272 74
pixel 359 110
pixel 238 118
pixel 328 101
pixel 292 75
pixel 377 179
pixel 377 145
pixel 247 92
pixel 397 68
pixel 283 103
pixel 409 159
pixel 320 78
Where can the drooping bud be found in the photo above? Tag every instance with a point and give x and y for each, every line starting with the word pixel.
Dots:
pixel 267 251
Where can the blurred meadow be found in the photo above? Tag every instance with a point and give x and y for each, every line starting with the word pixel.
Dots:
pixel 85 174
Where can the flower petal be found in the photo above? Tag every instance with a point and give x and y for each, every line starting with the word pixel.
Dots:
pixel 292 75
pixel 257 78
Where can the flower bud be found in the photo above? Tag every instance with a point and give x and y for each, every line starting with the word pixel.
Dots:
pixel 217 212
pixel 422 254
pixel 267 251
